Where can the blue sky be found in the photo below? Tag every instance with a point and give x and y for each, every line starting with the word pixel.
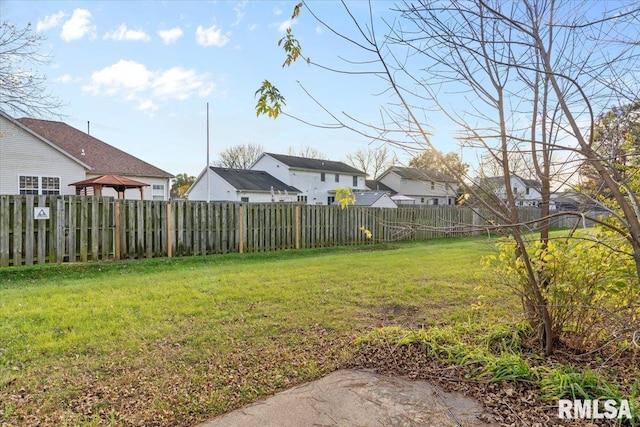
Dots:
pixel 142 73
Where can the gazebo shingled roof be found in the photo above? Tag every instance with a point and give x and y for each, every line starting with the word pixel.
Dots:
pixel 117 182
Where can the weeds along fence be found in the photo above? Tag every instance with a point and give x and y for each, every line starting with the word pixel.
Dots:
pixel 56 229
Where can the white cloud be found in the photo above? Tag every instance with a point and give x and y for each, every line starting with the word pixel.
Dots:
pixel 239 10
pixel 50 21
pixel 283 26
pixel 134 82
pixel 66 78
pixel 124 33
pixel 277 11
pixel 171 35
pixel 147 106
pixel 124 76
pixel 78 26
pixel 211 36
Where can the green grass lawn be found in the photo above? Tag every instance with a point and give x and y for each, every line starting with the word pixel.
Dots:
pixel 176 341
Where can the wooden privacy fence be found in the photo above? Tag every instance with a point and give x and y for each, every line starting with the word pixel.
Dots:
pixel 55 229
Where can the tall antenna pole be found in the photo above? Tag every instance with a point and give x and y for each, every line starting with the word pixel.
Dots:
pixel 207 168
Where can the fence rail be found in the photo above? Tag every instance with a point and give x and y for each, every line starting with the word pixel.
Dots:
pixel 81 228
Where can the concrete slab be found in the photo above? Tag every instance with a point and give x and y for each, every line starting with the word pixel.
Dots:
pixel 358 398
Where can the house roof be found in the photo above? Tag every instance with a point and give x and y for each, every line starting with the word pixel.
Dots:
pixel 416 174
pixel 499 181
pixel 252 180
pixel 368 198
pixel 375 185
pixel 111 181
pixel 100 156
pixel 43 139
pixel 296 162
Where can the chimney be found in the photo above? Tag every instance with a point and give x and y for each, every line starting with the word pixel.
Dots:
pixel 88 130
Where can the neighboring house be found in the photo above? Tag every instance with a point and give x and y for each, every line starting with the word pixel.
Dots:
pixel 373 199
pixel 240 185
pixel 525 191
pixel 316 179
pixel 423 186
pixel 44 157
pixel 572 201
pixel 375 185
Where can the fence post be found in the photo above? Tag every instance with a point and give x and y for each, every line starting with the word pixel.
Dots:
pixel 296 222
pixel 118 229
pixel 241 229
pixel 169 231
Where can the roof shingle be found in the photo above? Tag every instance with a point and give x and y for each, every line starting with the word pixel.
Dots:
pixel 103 158
pixel 252 180
pixel 315 164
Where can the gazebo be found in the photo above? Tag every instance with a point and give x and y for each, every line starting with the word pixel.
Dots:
pixel 117 182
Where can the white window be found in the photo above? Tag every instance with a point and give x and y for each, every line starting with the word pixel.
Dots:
pixel 158 192
pixel 44 185
pixel 337 177
pixel 355 180
pixel 433 185
pixel 28 184
pixel 322 176
pixel 302 199
pixel 244 199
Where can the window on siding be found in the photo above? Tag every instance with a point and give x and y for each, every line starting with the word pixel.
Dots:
pixel 322 176
pixel 244 199
pixel 435 202
pixel 337 177
pixel 50 186
pixel 331 200
pixel 355 180
pixel 526 191
pixel 433 185
pixel 302 199
pixel 45 185
pixel 421 199
pixel 158 191
pixel 28 184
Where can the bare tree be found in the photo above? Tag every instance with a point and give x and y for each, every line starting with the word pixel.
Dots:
pixel 533 76
pixel 373 161
pixel 240 156
pixel 23 89
pixel 306 152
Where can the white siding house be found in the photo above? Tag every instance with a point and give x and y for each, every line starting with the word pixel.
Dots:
pixel 374 199
pixel 525 191
pixel 240 185
pixel 30 164
pixel 316 179
pixel 424 186
pixel 45 157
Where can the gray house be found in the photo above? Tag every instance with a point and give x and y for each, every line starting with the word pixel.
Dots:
pixel 240 185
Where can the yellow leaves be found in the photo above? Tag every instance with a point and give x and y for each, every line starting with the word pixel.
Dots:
pixel 462 199
pixel 291 46
pixel 296 10
pixel 368 234
pixel 345 197
pixel 270 101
